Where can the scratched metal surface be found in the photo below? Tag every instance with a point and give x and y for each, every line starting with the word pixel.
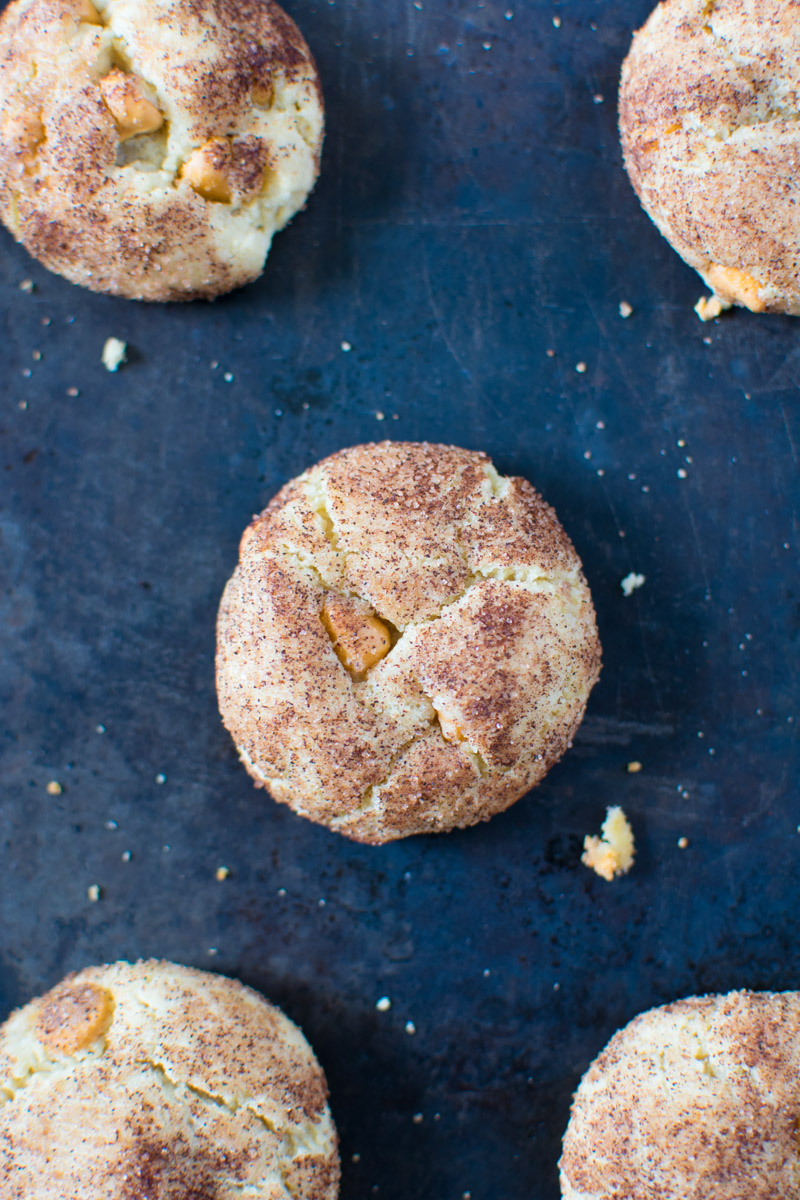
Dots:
pixel 472 215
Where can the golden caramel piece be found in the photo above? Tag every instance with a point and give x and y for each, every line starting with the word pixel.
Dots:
pixel 207 168
pixel 451 731
pixel 74 1017
pixel 88 13
pixel 133 113
pixel 735 286
pixel 26 132
pixel 263 96
pixel 359 637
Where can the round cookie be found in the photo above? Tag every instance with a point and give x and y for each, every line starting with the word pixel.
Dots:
pixel 695 1100
pixel 708 109
pixel 155 1081
pixel 151 148
pixel 407 644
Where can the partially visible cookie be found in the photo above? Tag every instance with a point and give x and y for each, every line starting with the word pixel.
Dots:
pixel 151 148
pixel 407 644
pixel 708 112
pixel 151 1081
pixel 694 1101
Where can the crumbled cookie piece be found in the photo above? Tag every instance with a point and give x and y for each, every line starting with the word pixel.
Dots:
pixel 613 853
pixel 115 353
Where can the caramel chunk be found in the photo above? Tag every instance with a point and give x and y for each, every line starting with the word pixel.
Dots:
pixel 451 730
pixel 208 168
pixel 736 286
pixel 74 1017
pixel 88 13
pixel 26 133
pixel 263 95
pixel 359 637
pixel 133 113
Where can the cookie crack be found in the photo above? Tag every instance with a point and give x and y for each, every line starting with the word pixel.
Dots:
pixel 295 1139
pixel 369 800
pixel 12 1086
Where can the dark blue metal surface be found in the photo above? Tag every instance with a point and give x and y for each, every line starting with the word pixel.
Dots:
pixel 472 216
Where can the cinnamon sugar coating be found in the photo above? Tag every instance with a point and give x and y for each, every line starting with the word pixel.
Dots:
pixel 708 109
pixel 692 1101
pixel 192 1086
pixel 106 111
pixel 494 645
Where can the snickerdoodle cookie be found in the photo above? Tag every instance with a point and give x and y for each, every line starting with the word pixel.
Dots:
pixel 407 644
pixel 151 148
pixel 708 109
pixel 693 1101
pixel 153 1080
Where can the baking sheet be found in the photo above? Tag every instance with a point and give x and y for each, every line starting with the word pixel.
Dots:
pixel 472 215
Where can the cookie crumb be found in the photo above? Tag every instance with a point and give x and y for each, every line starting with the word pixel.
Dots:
pixel 634 768
pixel 72 392
pixel 346 347
pixel 26 286
pixel 221 873
pixel 556 22
pixel 580 368
pixel 417 1118
pixel 613 853
pixel 54 788
pixel 115 352
pixel 384 1004
pixel 625 309
pixel 683 842
pixel 631 583
pixel 708 308
pixel 93 892
pixel 411 1028
pixel 126 856
pixel 161 777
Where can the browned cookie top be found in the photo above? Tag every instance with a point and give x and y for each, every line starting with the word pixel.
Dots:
pixel 151 1081
pixel 408 642
pixel 151 148
pixel 708 109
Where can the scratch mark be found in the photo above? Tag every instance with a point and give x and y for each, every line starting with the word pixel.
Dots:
pixel 437 316
pixel 789 437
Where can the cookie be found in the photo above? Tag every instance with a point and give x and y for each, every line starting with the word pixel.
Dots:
pixel 708 110
pixel 155 1081
pixel 151 148
pixel 694 1100
pixel 407 644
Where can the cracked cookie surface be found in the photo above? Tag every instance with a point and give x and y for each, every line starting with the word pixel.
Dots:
pixel 155 1081
pixel 708 108
pixel 151 148
pixel 479 679
pixel 694 1100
